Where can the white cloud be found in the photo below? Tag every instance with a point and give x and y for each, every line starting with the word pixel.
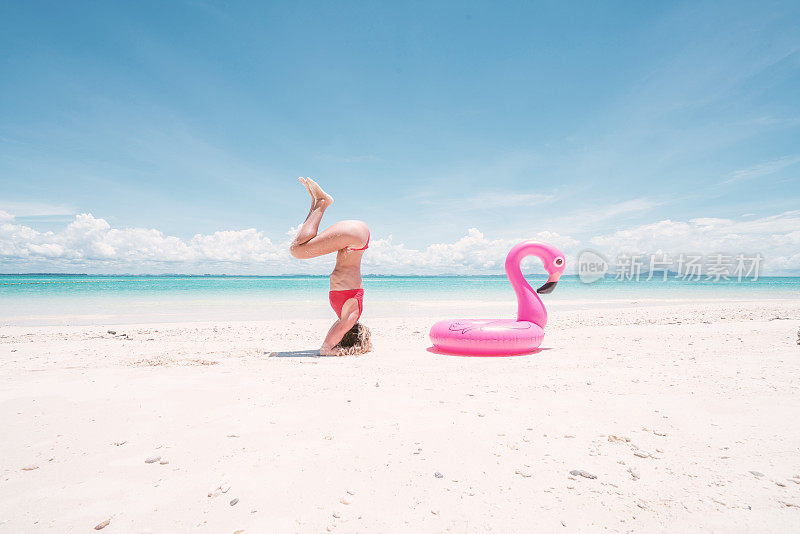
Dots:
pixel 246 246
pixel 472 253
pixel 88 238
pixel 91 244
pixel 762 169
pixel 34 209
pixel 89 241
pixel 776 237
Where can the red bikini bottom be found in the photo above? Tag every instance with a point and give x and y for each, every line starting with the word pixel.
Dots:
pixel 338 298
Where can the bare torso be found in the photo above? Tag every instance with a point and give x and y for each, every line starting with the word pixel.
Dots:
pixel 347 273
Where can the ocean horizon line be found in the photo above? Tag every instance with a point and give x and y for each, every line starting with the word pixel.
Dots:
pixel 644 274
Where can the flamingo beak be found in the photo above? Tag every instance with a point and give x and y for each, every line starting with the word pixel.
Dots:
pixel 550 285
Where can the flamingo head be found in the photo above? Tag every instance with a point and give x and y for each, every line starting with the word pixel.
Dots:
pixel 554 264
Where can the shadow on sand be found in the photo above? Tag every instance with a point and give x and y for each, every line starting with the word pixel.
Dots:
pixel 434 350
pixel 298 354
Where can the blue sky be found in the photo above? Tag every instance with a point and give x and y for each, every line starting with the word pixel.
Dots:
pixel 579 121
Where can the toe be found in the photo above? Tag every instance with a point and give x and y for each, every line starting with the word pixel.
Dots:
pixel 305 183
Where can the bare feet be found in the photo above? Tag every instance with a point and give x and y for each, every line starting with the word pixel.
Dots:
pixel 308 188
pixel 322 198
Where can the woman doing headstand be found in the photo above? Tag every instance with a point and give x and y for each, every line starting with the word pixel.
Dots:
pixel 349 240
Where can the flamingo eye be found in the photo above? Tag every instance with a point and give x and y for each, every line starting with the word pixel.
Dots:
pixel 559 262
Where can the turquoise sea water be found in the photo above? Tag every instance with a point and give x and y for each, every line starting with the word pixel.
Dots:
pixel 48 298
pixel 395 287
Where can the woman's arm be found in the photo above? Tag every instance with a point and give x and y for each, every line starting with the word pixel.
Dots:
pixel 340 328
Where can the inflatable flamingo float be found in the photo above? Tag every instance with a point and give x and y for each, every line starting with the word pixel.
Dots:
pixel 500 337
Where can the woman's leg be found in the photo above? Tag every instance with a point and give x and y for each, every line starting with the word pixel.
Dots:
pixel 307 243
pixel 310 226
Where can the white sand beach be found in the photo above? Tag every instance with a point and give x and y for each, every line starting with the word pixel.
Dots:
pixel 672 418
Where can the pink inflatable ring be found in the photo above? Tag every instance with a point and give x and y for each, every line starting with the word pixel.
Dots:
pixel 505 337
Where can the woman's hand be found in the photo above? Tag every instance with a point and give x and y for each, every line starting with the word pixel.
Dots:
pixel 331 351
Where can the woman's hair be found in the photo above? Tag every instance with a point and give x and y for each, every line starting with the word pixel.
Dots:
pixel 357 340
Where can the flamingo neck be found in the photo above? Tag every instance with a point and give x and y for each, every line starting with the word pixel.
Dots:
pixel 529 306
